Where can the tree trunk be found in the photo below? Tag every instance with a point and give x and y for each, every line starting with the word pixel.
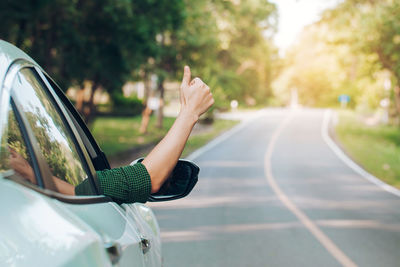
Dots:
pixel 90 110
pixel 146 111
pixel 160 117
pixel 21 33
pixel 80 100
pixel 397 99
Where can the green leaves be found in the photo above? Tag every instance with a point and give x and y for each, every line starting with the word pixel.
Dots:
pixel 106 41
pixel 224 44
pixel 352 50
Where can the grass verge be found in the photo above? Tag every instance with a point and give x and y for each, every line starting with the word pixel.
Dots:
pixel 116 135
pixel 376 148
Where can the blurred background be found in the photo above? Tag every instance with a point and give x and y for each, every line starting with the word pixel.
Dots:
pixel 120 62
pixel 276 190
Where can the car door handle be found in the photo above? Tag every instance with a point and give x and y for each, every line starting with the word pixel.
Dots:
pixel 145 243
pixel 114 251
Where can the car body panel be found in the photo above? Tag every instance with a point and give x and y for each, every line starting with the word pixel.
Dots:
pixel 35 232
pixel 148 227
pixel 109 221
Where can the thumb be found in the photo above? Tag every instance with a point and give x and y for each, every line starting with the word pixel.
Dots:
pixel 186 76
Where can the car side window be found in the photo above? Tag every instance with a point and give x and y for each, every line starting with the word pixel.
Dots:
pixel 4 151
pixel 52 135
pixel 14 154
pixel 99 159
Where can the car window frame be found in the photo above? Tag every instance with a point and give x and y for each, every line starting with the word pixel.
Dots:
pixel 36 159
pixel 45 174
pixel 98 157
pixel 41 164
pixel 72 131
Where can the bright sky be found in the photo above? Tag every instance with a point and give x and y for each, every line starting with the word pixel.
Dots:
pixel 294 15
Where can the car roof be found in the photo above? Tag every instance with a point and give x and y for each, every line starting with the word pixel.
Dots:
pixel 8 54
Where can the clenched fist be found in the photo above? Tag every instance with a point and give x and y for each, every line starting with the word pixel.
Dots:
pixel 196 97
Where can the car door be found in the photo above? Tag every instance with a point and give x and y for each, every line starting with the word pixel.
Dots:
pixel 62 162
pixel 34 232
pixel 141 216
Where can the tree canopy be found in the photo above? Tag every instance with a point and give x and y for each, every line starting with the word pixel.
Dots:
pixel 354 50
pixel 107 42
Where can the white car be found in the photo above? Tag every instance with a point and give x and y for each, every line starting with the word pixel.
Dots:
pixel 40 226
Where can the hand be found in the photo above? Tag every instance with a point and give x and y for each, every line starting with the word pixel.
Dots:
pixel 196 97
pixel 21 166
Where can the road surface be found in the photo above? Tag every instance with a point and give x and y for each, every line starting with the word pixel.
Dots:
pixel 273 193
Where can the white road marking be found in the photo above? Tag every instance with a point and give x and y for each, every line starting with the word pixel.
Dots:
pixel 349 162
pixel 325 241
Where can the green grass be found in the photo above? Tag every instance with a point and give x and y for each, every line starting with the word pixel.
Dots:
pixel 376 148
pixel 115 134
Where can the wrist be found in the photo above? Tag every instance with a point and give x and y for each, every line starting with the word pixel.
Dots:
pixel 188 115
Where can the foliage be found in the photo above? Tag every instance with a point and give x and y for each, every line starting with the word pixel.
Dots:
pixel 122 105
pixel 352 50
pixel 108 42
pixel 227 46
pixel 316 69
pixel 13 140
pixel 99 41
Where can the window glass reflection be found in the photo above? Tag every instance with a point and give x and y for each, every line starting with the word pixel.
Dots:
pixel 4 153
pixel 52 135
pixel 14 154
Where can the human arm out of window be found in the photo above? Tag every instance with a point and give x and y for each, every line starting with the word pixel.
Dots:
pixel 126 184
pixel 196 99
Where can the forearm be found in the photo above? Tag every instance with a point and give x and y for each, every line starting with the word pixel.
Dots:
pixel 163 158
pixel 64 187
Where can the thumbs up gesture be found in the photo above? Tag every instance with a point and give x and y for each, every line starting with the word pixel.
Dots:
pixel 195 96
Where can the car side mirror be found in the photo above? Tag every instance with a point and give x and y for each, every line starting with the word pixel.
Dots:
pixel 179 184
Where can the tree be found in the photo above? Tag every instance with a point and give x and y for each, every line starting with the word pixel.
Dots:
pixel 349 51
pixel 315 69
pixel 103 42
pixel 119 38
pixel 97 41
pixel 229 45
pixel 372 29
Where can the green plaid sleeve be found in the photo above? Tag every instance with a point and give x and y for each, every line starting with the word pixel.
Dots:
pixel 84 188
pixel 126 184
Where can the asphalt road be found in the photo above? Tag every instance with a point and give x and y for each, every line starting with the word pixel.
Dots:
pixel 273 193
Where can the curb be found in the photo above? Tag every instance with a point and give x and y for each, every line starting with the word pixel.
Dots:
pixel 348 161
